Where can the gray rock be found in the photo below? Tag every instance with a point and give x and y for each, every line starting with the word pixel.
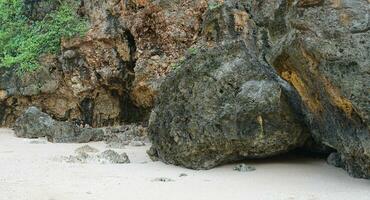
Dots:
pixel 244 168
pixel 182 175
pixel 69 54
pixel 335 159
pixel 34 124
pixel 110 156
pixel 223 105
pixel 152 153
pixel 87 154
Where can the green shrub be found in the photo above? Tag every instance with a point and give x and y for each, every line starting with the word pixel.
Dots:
pixel 23 41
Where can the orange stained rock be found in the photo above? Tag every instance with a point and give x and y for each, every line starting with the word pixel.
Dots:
pixel 307 92
pixel 240 19
pixel 143 95
pixel 141 2
pixel 3 94
pixel 308 98
pixel 334 94
pixel 344 18
pixel 337 100
pixel 312 61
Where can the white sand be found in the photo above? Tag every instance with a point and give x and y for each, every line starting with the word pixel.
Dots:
pixel 30 172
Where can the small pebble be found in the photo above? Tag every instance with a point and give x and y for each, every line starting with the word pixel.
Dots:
pixel 163 179
pixel 244 168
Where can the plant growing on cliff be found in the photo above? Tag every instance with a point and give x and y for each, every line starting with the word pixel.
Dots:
pixel 23 41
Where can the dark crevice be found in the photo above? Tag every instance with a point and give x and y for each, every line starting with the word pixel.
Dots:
pixel 87 110
pixel 132 45
pixel 130 113
pixel 2 111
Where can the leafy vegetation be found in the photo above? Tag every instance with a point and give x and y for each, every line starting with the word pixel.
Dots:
pixel 23 41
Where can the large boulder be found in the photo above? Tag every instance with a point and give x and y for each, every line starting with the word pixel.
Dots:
pixel 223 105
pixel 34 124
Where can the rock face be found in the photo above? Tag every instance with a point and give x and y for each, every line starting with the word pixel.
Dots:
pixel 255 78
pixel 111 75
pixel 322 49
pixel 325 59
pixel 222 105
pixel 34 124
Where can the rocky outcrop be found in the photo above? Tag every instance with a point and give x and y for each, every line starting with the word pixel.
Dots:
pixel 324 59
pixel 224 103
pixel 164 30
pixel 34 124
pixel 112 74
pixel 88 87
pixel 246 69
pixel 89 82
pixel 322 49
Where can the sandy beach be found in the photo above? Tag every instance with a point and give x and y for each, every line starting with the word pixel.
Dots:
pixel 31 171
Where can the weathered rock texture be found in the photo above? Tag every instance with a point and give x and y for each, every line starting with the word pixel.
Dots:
pixel 34 124
pixel 320 47
pixel 112 74
pixel 277 62
pixel 119 137
pixel 223 106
